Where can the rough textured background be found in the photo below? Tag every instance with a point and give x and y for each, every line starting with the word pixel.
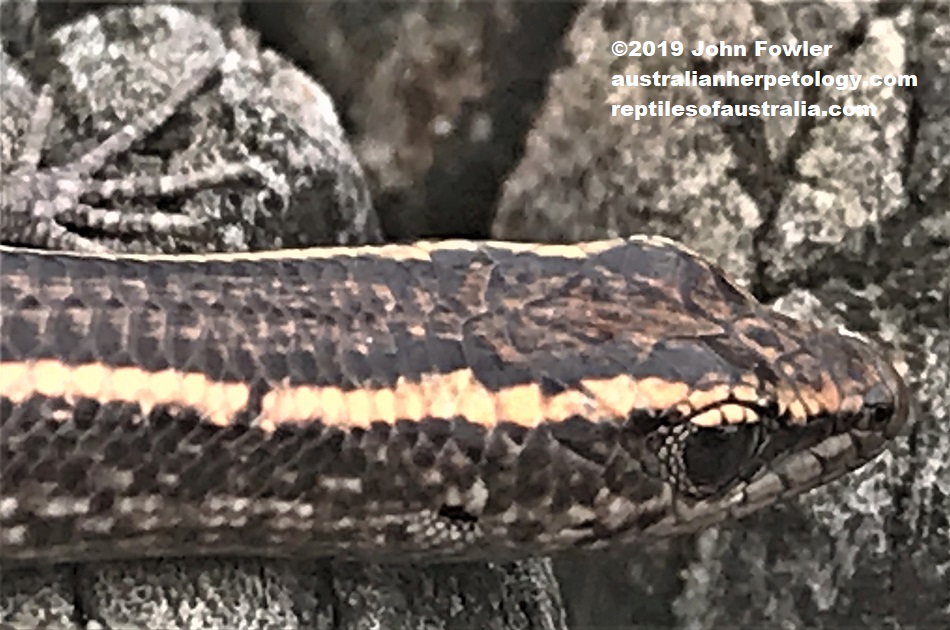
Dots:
pixel 492 119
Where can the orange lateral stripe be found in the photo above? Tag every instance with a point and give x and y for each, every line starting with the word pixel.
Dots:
pixel 218 401
pixel 455 394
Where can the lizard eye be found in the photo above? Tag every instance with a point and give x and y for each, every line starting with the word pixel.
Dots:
pixel 714 457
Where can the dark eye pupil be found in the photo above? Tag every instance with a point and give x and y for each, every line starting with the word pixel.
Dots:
pixel 880 414
pixel 716 456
